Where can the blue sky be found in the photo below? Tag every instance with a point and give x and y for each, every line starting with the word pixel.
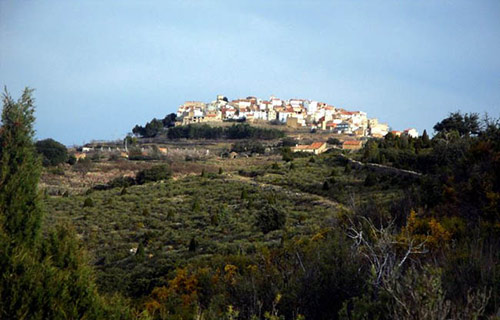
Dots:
pixel 100 67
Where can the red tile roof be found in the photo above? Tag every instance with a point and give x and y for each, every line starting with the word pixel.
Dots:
pixel 316 145
pixel 352 142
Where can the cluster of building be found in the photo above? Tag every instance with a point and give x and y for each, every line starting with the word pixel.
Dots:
pixel 296 113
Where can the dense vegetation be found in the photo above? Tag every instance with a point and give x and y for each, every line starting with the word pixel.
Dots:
pixel 53 152
pixel 155 126
pixel 312 237
pixel 41 277
pixel 236 131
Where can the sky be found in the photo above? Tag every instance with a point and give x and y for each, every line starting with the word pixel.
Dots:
pixel 101 67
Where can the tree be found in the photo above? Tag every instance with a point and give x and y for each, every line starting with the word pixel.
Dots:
pixel 19 171
pixel 465 124
pixel 425 140
pixel 169 120
pixel 155 173
pixel 40 277
pixel 53 152
pixel 334 141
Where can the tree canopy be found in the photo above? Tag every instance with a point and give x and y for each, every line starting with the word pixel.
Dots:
pixel 53 152
pixel 155 126
pixel 465 124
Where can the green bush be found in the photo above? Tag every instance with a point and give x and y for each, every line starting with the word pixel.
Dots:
pixel 53 152
pixel 370 180
pixel 88 203
pixel 155 173
pixel 271 218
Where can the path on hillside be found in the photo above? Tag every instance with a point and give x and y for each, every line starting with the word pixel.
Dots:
pixel 279 188
pixel 382 168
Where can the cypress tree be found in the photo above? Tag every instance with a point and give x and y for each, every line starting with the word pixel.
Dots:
pixel 426 142
pixel 21 215
pixel 40 277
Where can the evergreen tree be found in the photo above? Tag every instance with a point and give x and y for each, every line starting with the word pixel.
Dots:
pixel 40 278
pixel 426 142
pixel 193 244
pixel 20 214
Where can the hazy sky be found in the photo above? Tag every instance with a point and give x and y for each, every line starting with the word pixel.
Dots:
pixel 100 67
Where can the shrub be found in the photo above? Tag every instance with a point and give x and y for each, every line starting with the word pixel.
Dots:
pixel 53 152
pixel 88 203
pixel 347 168
pixel 251 146
pixel 289 142
pixel 124 191
pixel 72 159
pixel 286 154
pixel 193 244
pixel 122 182
pixel 370 180
pixel 334 141
pixel 271 218
pixel 155 173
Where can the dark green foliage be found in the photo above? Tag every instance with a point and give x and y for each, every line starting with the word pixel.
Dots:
pixel 347 168
pixel 52 151
pixel 154 127
pixel 289 142
pixel 239 131
pixel 71 159
pixel 244 194
pixel 204 254
pixel 169 120
pixel 250 146
pixel 196 205
pixel 88 203
pixel 170 214
pixel 121 182
pixel 465 124
pixel 155 173
pixel 326 186
pixel 271 218
pixel 19 171
pixel 334 141
pixel 286 154
pixel 193 244
pixel 140 254
pixel 40 277
pixel 150 130
pixel 426 142
pixel 370 180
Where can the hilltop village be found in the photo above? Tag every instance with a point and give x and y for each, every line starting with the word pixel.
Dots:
pixel 295 113
pixel 348 130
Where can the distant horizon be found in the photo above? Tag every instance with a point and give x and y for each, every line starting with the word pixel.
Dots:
pixel 100 68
